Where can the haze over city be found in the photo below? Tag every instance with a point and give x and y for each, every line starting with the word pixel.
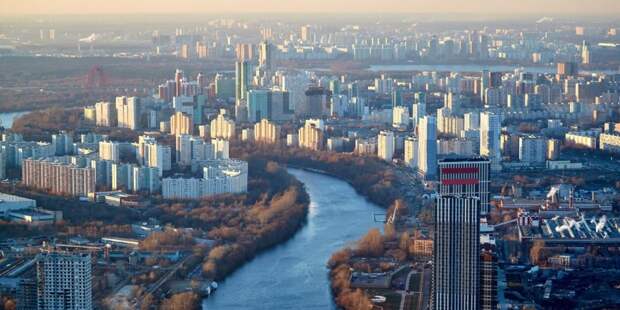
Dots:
pixel 354 154
pixel 488 8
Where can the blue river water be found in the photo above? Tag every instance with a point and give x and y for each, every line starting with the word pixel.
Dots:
pixel 294 275
pixel 7 118
pixel 473 68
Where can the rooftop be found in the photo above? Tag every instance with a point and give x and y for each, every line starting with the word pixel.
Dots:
pixel 12 198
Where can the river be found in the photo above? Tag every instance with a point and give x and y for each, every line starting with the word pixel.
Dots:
pixel 473 68
pixel 7 118
pixel 294 275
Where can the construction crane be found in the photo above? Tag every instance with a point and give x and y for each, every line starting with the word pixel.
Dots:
pixel 390 220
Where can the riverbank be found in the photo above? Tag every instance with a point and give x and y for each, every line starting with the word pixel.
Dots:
pixel 242 226
pixel 216 235
pixel 378 181
pixel 381 183
pixel 294 275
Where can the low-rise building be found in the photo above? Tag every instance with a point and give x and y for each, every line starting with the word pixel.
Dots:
pixel 586 139
pixel 219 177
pixel 610 142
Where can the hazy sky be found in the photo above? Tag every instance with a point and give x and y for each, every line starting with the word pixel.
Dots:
pixel 501 7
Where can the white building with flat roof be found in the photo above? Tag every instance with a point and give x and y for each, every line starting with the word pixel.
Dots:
pixel 12 202
pixel 219 177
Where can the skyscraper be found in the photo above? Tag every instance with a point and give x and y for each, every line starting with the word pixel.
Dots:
pixel 258 104
pixel 490 127
pixel 265 55
pixel 316 105
pixel 484 83
pixel 456 253
pixel 585 53
pixel 427 147
pixel 243 78
pixel 419 108
pixel 183 149
pixel 64 281
pixel 245 51
pixel 467 177
pixel 224 86
pixel 306 33
pixel 178 77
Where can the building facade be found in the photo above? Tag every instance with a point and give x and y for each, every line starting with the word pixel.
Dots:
pixel 58 175
pixel 385 145
pixel 456 257
pixel 427 147
pixel 64 281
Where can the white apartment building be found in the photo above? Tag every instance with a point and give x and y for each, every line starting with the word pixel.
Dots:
pixel 58 175
pixel 105 114
pixel 366 146
pixel 222 127
pixel 181 123
pixel 128 112
pixel 586 139
pixel 532 149
pixel 266 132
pixel 411 152
pixel 151 154
pixel 219 177
pixel 220 148
pixel 385 145
pixel 109 150
pixel 311 135
pixel 400 117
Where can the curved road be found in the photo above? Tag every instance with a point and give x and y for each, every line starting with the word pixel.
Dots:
pixel 294 275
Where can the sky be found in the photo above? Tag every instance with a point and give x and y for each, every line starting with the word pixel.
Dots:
pixel 475 7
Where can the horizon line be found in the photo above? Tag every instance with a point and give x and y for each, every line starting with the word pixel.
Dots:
pixel 237 13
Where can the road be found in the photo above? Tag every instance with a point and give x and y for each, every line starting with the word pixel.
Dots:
pixel 420 296
pixel 405 293
pixel 167 276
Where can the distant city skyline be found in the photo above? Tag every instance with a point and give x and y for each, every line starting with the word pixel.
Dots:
pixel 471 7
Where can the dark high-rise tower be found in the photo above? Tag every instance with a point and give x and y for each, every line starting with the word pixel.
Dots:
pixel 468 177
pixel 243 79
pixel 265 55
pixel 463 189
pixel 456 253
